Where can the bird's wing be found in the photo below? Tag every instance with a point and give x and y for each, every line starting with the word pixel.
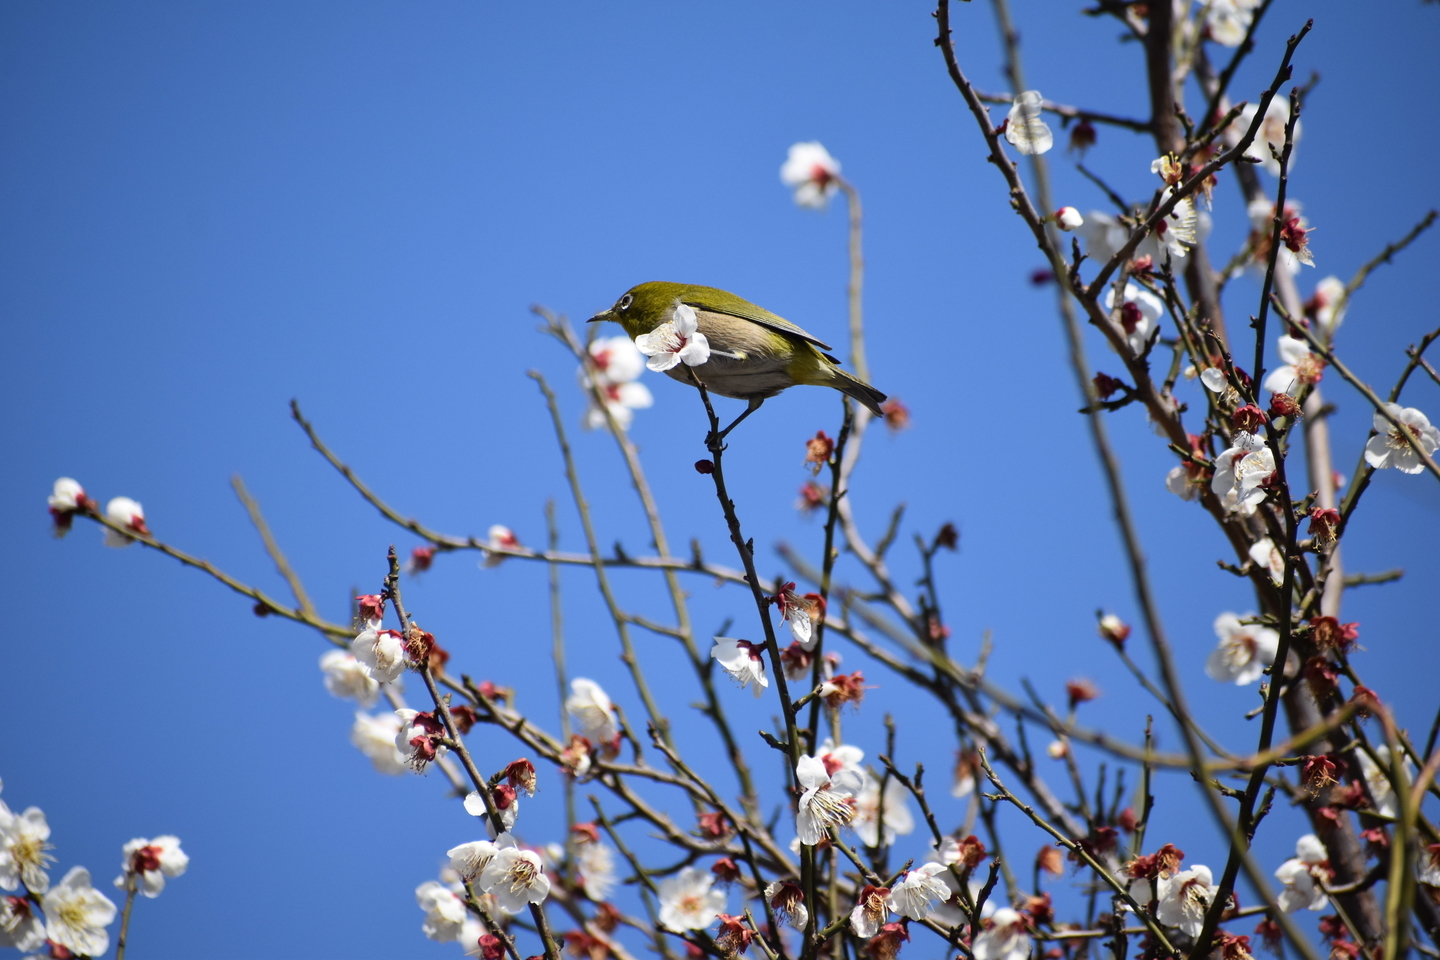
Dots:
pixel 718 301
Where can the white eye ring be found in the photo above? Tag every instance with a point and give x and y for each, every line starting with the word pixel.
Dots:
pixel 625 301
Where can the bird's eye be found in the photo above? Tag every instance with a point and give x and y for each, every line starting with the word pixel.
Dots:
pixel 625 301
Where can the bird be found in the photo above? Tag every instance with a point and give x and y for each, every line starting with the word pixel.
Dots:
pixel 732 346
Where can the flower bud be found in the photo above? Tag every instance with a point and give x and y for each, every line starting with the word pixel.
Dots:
pixel 704 467
pixel 1115 630
pixel 1081 690
pixel 420 559
pixel 1106 385
pixel 1068 218
pixel 1082 137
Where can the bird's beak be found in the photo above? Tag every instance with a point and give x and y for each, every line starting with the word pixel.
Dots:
pixel 601 316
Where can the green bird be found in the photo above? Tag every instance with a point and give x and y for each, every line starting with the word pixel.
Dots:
pixel 735 348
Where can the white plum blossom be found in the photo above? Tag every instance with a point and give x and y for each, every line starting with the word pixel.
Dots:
pixel 380 653
pixel 841 757
pixel 1427 866
pixel 898 819
pixel 677 340
pixel 1227 21
pixel 151 861
pixel 347 679
pixel 951 913
pixel 743 660
pixel 475 806
pixel 1262 222
pixel 812 173
pixel 1271 133
pixel 21 926
pixel 828 800
pixel 514 877
pixel 1068 219
pixel 1024 128
pixel 1382 793
pixel 1300 873
pixel 76 914
pixel 413 738
pixel 374 736
pixel 1329 303
pixel 1391 447
pixel 468 859
pixel 1184 897
pixel 1177 481
pixel 1244 650
pixel 1267 556
pixel 618 365
pixel 595 864
pixel 1177 230
pixel 24 849
pixel 688 900
pixel 499 537
pixel 1103 235
pixel 590 708
pixel 1006 937
pixel 66 496
pixel 872 908
pixel 788 902
pixel 1240 473
pixel 1300 367
pixel 1144 314
pixel 444 911
pixel 1213 378
pixel 917 894
pixel 127 513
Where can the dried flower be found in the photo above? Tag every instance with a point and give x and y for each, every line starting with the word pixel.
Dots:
pixel 897 415
pixel 818 450
pixel 843 688
pixel 734 936
pixel 1324 524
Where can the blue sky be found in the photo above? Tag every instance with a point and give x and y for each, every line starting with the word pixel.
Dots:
pixel 212 208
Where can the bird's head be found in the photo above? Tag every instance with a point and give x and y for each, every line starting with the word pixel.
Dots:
pixel 643 308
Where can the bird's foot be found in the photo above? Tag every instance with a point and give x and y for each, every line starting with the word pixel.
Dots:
pixel 715 442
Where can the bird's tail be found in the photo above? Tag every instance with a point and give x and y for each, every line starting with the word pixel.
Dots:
pixel 861 391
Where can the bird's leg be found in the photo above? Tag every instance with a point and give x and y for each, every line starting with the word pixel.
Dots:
pixel 754 405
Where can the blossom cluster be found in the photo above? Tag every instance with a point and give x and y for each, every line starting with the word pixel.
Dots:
pixel 70 918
